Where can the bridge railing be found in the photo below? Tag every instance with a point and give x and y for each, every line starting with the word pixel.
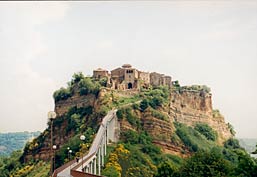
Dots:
pixel 94 159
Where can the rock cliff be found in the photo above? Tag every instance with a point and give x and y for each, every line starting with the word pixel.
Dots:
pixel 184 106
pixel 191 107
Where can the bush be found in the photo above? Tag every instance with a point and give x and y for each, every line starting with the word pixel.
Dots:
pixel 166 169
pixel 120 114
pixel 159 115
pixel 187 140
pixel 232 143
pixel 151 149
pixel 103 82
pixel 156 101
pixel 111 172
pixel 231 129
pixel 199 88
pixel 130 136
pixel 144 104
pixel 62 94
pixel 176 84
pixel 77 77
pixel 192 138
pixel 207 131
pixel 86 86
pixel 126 112
pixel 206 164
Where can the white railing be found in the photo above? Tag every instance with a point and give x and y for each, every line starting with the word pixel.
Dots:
pixel 92 162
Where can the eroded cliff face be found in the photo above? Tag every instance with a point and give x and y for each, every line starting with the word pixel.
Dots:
pixel 192 107
pixel 40 147
pixel 187 107
pixel 62 106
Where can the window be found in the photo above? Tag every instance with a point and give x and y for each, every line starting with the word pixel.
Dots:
pixel 129 71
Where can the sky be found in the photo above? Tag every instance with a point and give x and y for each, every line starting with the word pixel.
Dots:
pixel 196 42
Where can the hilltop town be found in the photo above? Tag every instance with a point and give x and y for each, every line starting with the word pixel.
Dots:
pixel 127 77
pixel 111 111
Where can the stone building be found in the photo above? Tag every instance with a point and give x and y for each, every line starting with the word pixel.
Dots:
pixel 100 73
pixel 127 77
pixel 157 79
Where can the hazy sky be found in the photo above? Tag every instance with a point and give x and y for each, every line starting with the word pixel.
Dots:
pixel 196 42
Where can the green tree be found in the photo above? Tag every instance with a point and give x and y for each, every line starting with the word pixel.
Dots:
pixel 232 143
pixel 77 77
pixel 247 166
pixel 206 164
pixel 166 169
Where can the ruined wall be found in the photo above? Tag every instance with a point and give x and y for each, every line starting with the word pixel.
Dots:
pixel 155 79
pixel 144 76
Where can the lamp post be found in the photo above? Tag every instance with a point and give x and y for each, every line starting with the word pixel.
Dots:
pixel 54 148
pixel 82 138
pixel 68 149
pixel 51 116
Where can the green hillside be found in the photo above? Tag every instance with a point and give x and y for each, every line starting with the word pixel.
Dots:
pixel 10 142
pixel 141 150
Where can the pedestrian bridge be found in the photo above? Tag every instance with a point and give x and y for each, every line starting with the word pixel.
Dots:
pixel 90 164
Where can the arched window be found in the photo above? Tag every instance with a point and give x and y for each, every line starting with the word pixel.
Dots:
pixel 129 85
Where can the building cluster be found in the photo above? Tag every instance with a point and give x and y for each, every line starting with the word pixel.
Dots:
pixel 127 77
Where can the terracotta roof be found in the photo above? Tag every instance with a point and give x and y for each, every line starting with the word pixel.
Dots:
pixel 100 69
pixel 126 66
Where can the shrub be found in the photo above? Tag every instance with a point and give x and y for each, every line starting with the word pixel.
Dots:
pixel 126 112
pixel 111 171
pixel 231 129
pixel 144 104
pixel 156 101
pixel 166 169
pixel 120 114
pixel 206 164
pixel 103 82
pixel 86 86
pixel 207 131
pixel 159 115
pixel 103 111
pixel 192 138
pixel 151 149
pixel 232 143
pixel 77 77
pixel 62 94
pixel 130 136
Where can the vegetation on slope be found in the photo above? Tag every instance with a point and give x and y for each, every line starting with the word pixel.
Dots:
pixel 136 154
pixel 12 167
pixel 143 158
pixel 10 142
pixel 84 85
